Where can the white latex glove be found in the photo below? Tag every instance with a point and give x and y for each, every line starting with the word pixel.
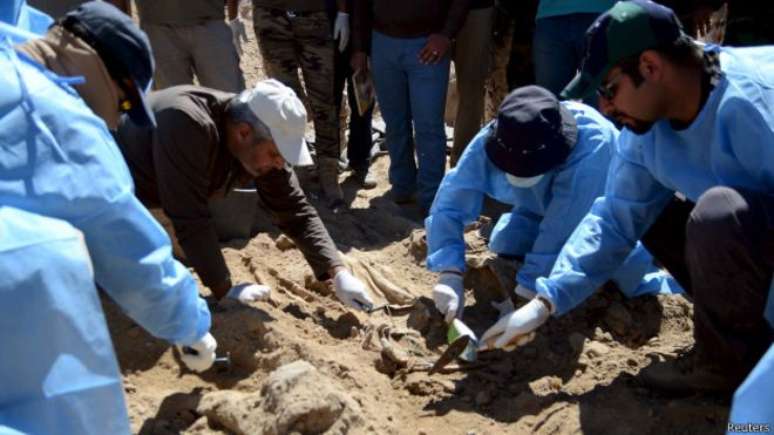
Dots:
pixel 503 308
pixel 351 291
pixel 246 293
pixel 524 292
pixel 200 355
pixel 517 327
pixel 238 33
pixel 448 295
pixel 341 30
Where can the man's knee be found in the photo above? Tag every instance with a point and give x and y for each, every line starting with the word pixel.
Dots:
pixel 718 220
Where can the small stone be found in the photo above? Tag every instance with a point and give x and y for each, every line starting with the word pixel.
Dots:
pixel 284 243
pixel 602 336
pixel 448 386
pixel 596 349
pixel 483 398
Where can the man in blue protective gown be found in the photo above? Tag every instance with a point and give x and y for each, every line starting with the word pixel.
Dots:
pixel 547 159
pixel 58 160
pixel 19 14
pixel 60 374
pixel 692 178
pixel 752 400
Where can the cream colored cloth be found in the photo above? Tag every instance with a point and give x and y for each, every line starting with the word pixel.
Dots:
pixel 67 55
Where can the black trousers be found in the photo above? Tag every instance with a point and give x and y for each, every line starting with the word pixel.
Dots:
pixel 721 250
pixel 360 141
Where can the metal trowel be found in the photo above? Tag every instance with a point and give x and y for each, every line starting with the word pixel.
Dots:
pixel 463 344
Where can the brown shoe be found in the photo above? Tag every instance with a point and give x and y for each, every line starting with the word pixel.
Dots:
pixel 688 375
pixel 328 169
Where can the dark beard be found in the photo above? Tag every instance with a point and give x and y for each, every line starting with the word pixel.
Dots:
pixel 640 127
pixel 636 126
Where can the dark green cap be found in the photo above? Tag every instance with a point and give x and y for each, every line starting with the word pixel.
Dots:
pixel 627 29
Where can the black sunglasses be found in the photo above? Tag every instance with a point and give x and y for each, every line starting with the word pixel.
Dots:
pixel 608 90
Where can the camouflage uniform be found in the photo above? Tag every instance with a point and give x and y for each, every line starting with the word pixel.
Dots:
pixel 512 66
pixel 497 82
pixel 292 40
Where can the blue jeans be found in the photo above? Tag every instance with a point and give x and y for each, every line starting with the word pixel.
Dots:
pixel 557 50
pixel 408 91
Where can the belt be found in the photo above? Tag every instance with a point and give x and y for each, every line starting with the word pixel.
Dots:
pixel 290 14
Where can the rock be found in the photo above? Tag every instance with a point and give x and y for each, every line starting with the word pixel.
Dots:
pixel 618 318
pixel 419 384
pixel 294 398
pixel 284 243
pixel 483 398
pixel 595 349
pixel 448 386
pixel 418 245
pixel 419 317
pixel 576 340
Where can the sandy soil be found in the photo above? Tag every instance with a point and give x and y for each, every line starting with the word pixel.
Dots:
pixel 303 363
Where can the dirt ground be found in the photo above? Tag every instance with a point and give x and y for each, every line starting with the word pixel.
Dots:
pixel 303 363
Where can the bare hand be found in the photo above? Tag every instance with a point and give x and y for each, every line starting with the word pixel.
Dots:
pixel 359 61
pixel 435 49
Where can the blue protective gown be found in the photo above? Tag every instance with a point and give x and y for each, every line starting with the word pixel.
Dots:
pixel 754 399
pixel 18 13
pixel 58 159
pixel 730 143
pixel 543 216
pixel 58 373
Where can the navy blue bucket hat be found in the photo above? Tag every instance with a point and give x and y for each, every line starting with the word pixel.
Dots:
pixel 533 133
pixel 123 48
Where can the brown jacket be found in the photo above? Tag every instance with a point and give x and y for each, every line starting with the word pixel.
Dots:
pixel 406 19
pixel 184 162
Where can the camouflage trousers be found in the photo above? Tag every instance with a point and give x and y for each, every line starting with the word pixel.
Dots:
pixel 496 87
pixel 291 41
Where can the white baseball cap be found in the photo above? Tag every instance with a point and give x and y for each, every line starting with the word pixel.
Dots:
pixel 277 106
